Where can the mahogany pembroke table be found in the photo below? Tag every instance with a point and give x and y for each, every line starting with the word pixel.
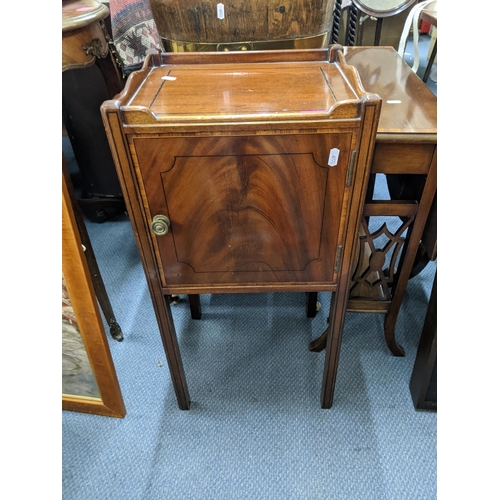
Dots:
pixel 405 152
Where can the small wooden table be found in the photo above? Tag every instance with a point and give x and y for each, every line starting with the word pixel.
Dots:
pixel 406 145
pixel 91 74
pixel 82 35
pixel 85 40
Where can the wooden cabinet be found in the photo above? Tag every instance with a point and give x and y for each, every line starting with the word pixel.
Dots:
pixel 244 172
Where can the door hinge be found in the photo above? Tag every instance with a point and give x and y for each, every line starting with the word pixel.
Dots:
pixel 337 261
pixel 351 168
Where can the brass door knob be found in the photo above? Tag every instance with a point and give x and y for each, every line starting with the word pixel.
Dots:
pixel 160 225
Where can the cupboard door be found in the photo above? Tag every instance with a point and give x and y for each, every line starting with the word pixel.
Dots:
pixel 260 209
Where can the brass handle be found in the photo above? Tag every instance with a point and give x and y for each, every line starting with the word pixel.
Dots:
pixel 160 225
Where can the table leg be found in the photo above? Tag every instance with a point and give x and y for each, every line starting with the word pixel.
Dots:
pixel 320 343
pixel 408 258
pixel 332 351
pixel 352 19
pixel 195 306
pixel 378 31
pixel 423 386
pixel 161 302
pixel 311 307
pixel 337 13
pixel 431 62
pixel 100 290
pixel 171 348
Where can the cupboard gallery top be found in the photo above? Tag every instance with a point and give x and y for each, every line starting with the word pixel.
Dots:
pixel 244 172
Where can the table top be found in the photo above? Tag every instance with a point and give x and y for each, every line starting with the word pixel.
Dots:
pixel 243 91
pixel 297 91
pixel 430 14
pixel 288 86
pixel 408 106
pixel 79 13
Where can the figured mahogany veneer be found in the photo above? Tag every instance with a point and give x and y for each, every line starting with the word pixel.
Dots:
pixel 267 208
pixel 258 163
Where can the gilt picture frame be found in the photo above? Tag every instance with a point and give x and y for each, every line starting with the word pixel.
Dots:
pixel 90 383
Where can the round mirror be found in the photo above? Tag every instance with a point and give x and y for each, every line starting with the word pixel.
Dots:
pixel 382 8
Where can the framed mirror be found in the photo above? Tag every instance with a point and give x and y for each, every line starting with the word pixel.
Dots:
pixel 382 8
pixel 89 381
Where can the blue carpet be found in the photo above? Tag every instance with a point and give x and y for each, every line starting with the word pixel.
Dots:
pixel 255 429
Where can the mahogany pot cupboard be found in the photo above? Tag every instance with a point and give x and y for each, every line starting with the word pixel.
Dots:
pixel 245 172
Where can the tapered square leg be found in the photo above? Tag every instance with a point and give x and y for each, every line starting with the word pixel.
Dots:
pixel 195 306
